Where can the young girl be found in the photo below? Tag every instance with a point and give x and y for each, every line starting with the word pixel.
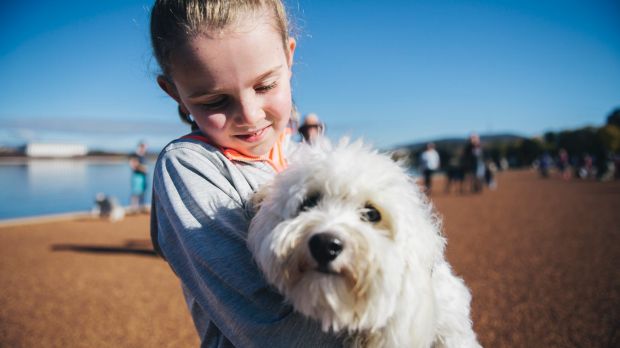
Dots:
pixel 227 63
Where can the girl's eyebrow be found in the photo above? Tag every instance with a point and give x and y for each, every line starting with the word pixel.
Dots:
pixel 220 91
pixel 268 73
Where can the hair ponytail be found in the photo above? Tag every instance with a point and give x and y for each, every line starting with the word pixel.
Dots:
pixel 186 118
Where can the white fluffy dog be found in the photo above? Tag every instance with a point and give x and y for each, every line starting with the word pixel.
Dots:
pixel 347 237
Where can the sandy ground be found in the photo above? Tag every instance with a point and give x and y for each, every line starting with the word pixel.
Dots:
pixel 541 258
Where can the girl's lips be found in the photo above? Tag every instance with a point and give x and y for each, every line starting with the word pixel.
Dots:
pixel 253 137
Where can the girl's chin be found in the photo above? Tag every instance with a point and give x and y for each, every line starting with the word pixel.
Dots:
pixel 257 149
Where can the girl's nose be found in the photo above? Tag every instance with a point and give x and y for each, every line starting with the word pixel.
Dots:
pixel 250 111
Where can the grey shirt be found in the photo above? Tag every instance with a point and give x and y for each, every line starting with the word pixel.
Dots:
pixel 199 223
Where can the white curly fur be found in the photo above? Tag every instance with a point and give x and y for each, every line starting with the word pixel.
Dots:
pixel 390 286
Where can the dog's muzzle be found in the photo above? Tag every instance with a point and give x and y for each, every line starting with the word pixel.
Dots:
pixel 325 248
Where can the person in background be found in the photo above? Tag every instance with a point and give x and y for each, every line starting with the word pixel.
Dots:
pixel 141 153
pixel 587 170
pixel 474 162
pixel 311 128
pixel 490 171
pixel 455 173
pixel 564 164
pixel 429 164
pixel 139 182
pixel 544 164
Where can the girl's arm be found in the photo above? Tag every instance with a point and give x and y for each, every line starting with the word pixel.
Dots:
pixel 201 227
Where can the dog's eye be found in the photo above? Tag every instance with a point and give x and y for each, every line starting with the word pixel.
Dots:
pixel 311 201
pixel 370 213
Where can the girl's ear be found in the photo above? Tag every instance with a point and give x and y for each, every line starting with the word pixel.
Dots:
pixel 292 44
pixel 168 87
pixel 171 90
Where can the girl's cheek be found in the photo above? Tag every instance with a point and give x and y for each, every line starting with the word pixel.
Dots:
pixel 216 121
pixel 283 103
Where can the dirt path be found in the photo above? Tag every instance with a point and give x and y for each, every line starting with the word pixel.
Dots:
pixel 541 258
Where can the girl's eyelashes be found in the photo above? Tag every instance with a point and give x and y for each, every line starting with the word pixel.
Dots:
pixel 216 103
pixel 221 101
pixel 266 88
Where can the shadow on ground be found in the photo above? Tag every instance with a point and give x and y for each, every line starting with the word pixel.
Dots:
pixel 132 246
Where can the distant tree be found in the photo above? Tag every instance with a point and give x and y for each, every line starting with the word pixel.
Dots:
pixel 614 118
pixel 523 152
pixel 529 150
pixel 401 155
pixel 551 139
pixel 495 152
pixel 581 141
pixel 513 155
pixel 609 137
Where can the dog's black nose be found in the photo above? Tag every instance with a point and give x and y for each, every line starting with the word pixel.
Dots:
pixel 325 247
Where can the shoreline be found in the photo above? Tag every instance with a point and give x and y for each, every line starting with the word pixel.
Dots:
pixel 39 219
pixel 67 216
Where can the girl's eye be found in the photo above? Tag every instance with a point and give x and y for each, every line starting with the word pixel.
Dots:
pixel 370 213
pixel 216 103
pixel 266 88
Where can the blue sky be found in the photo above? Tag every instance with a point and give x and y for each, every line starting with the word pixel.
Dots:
pixel 393 72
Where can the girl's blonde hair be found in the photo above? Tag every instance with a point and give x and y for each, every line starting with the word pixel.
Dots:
pixel 173 22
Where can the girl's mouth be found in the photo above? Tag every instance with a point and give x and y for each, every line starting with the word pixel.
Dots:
pixel 253 136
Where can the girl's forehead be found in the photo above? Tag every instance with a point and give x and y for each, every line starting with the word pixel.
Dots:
pixel 254 34
pixel 231 55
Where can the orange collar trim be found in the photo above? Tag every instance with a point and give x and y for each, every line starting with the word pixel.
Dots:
pixel 275 158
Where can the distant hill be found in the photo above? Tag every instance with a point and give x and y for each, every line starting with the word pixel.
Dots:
pixel 456 142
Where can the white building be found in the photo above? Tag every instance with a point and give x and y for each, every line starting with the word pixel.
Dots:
pixel 55 150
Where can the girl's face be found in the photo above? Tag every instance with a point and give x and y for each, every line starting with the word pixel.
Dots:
pixel 236 85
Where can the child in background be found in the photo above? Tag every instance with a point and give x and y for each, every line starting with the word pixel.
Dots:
pixel 139 170
pixel 138 183
pixel 228 66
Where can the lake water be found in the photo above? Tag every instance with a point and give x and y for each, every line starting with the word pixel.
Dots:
pixel 41 187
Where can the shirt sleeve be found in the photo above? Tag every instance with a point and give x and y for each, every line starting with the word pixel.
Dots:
pixel 201 227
